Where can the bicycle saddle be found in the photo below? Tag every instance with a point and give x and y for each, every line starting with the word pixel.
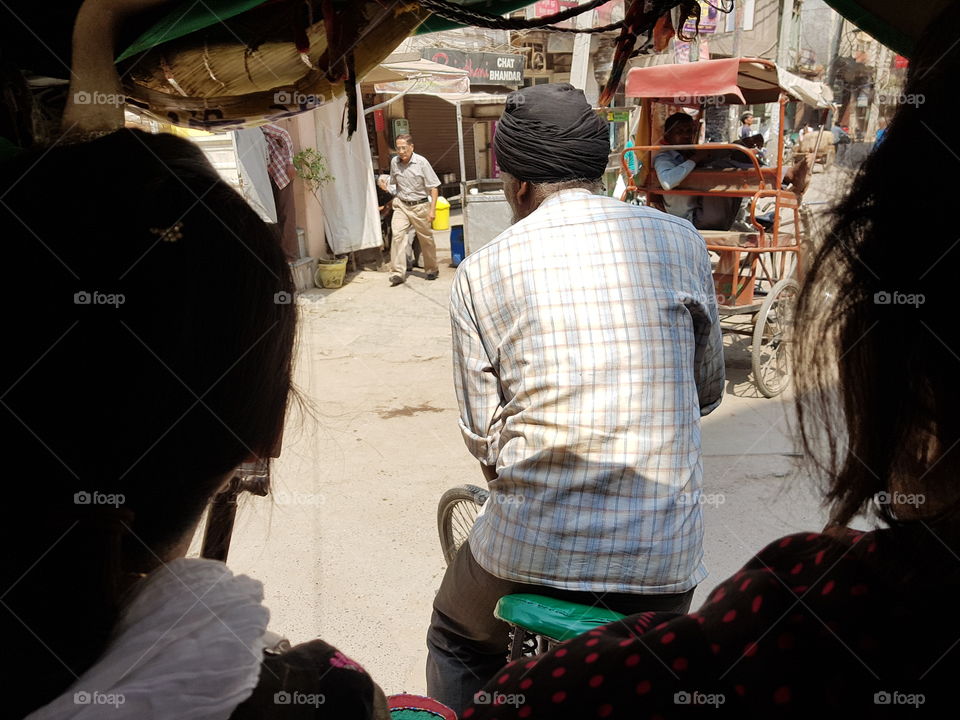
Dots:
pixel 558 620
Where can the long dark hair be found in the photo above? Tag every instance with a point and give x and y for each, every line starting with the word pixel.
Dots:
pixel 878 360
pixel 149 330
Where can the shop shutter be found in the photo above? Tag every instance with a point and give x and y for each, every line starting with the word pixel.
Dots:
pixel 433 125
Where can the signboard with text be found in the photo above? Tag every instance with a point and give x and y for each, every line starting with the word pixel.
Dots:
pixel 482 68
pixel 709 20
pixel 545 8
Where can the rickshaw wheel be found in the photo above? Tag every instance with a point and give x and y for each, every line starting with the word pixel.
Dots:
pixel 772 337
pixel 456 513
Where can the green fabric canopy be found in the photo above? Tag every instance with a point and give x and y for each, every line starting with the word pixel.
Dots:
pixel 190 16
pixel 435 23
pixel 895 23
pixel 186 18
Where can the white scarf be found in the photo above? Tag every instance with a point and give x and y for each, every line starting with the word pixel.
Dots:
pixel 187 646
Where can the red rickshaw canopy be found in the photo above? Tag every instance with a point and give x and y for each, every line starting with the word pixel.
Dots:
pixel 738 81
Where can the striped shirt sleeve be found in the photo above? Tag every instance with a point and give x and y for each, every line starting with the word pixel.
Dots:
pixel 709 369
pixel 474 376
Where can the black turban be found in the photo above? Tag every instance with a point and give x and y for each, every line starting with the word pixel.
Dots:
pixel 549 133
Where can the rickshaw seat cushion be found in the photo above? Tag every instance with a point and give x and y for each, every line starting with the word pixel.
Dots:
pixel 729 180
pixel 556 619
pixel 731 238
pixel 735 239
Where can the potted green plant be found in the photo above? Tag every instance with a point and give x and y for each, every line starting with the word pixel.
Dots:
pixel 311 167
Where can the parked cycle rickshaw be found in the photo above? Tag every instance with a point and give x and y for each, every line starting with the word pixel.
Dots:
pixel 755 272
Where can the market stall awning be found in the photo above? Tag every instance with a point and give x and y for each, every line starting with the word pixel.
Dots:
pixel 388 72
pixel 477 98
pixel 809 92
pixel 462 95
pixel 737 81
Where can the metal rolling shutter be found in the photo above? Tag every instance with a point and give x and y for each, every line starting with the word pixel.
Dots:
pixel 433 125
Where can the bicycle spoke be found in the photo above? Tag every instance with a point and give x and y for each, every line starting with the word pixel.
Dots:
pixel 461 521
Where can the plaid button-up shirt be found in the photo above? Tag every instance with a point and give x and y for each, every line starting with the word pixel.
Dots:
pixel 279 154
pixel 586 346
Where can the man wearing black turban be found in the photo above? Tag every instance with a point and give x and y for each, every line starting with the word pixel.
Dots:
pixel 585 349
pixel 550 134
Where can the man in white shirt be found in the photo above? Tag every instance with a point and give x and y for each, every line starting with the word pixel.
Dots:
pixel 673 166
pixel 416 187
pixel 586 346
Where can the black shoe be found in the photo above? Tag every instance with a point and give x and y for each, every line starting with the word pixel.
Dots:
pixel 396 280
pixel 433 275
pixel 766 220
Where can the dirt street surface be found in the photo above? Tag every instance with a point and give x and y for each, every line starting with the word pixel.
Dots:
pixel 347 547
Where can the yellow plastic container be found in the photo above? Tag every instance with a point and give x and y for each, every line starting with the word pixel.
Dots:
pixel 442 219
pixel 330 273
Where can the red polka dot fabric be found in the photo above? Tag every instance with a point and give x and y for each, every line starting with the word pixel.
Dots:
pixel 812 626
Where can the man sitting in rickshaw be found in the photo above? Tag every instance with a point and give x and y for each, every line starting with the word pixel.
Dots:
pixel 673 166
pixel 710 212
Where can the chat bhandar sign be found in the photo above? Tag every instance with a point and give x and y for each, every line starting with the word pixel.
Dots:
pixel 482 68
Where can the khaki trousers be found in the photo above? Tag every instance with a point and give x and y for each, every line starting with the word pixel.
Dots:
pixel 405 217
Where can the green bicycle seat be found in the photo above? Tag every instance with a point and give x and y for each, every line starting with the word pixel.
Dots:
pixel 558 620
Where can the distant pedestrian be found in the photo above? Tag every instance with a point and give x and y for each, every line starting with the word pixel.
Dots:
pixel 840 136
pixel 881 132
pixel 416 187
pixel 746 125
pixel 282 172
